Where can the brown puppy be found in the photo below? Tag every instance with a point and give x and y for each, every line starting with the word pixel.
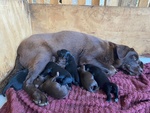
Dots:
pixel 36 51
pixel 87 80
pixel 54 89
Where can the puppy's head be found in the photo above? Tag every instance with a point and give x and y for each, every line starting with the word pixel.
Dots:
pixel 129 60
pixel 94 87
pixel 63 53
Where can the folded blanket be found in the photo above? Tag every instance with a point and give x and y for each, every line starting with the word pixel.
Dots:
pixel 134 96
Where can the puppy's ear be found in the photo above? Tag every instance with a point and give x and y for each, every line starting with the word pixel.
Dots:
pixel 122 51
pixel 58 52
pixel 141 64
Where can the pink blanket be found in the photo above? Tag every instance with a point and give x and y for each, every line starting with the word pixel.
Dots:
pixel 134 97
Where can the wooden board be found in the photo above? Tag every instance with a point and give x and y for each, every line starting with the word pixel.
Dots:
pixel 14 27
pixel 143 3
pixel 129 3
pixel 122 25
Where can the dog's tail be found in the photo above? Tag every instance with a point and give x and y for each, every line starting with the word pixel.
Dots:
pixel 17 67
pixel 5 88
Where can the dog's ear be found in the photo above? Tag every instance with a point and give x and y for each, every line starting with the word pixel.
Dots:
pixel 59 52
pixel 141 64
pixel 122 51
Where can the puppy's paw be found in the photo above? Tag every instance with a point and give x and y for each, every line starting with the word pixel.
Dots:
pixel 39 98
pixel 108 99
pixel 116 99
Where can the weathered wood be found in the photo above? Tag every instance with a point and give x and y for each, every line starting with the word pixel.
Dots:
pixel 54 2
pixel 30 1
pixel 66 1
pixel 95 2
pixel 122 25
pixel 81 2
pixel 105 2
pixel 14 27
pixel 40 1
pixel 112 2
pixel 143 3
pixel 129 3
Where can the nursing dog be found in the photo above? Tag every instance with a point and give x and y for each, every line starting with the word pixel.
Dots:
pixel 87 80
pixel 35 52
pixel 70 65
pixel 103 81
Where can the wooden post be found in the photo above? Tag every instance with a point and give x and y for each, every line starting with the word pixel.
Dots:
pixel 105 2
pixel 66 1
pixel 113 2
pixel 81 2
pixel 95 2
pixel 54 2
pixel 129 3
pixel 143 3
pixel 40 1
pixel 29 1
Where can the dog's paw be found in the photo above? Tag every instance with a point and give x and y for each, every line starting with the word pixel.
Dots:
pixel 116 99
pixel 108 99
pixel 40 98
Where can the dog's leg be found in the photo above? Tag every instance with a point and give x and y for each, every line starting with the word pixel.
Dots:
pixel 115 91
pixel 109 70
pixel 37 67
pixel 107 89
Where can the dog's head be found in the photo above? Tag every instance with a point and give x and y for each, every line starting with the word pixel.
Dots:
pixel 129 60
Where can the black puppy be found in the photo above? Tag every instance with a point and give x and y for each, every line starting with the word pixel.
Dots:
pixel 64 76
pixel 103 82
pixel 16 81
pixel 70 66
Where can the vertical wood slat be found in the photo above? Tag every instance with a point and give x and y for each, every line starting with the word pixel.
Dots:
pixel 66 1
pixel 40 1
pixel 81 2
pixel 105 2
pixel 54 2
pixel 95 2
pixel 119 3
pixel 143 3
pixel 129 3
pixel 29 1
pixel 113 2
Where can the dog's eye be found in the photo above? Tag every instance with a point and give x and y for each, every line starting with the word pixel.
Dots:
pixel 134 57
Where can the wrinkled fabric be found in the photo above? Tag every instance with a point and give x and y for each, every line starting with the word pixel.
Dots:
pixel 134 97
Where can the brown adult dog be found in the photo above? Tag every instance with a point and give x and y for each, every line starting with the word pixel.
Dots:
pixel 87 80
pixel 36 51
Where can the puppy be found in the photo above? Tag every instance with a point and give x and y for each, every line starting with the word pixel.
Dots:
pixel 42 77
pixel 59 61
pixel 54 89
pixel 103 82
pixel 16 81
pixel 71 65
pixel 64 76
pixel 87 80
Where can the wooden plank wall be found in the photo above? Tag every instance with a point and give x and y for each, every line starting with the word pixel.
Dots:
pixel 14 27
pixel 122 25
pixel 128 3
